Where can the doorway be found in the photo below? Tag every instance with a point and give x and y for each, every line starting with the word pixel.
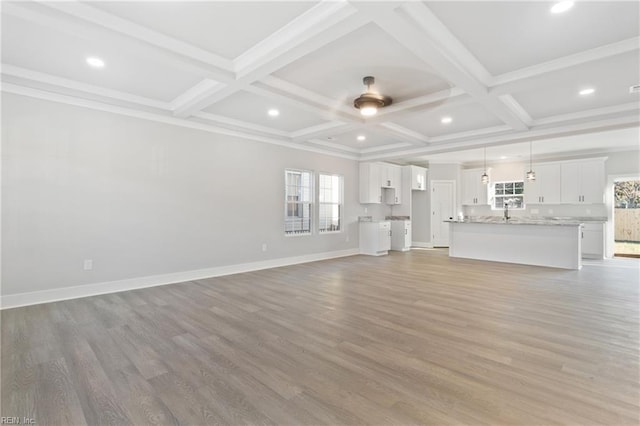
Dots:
pixel 443 207
pixel 626 218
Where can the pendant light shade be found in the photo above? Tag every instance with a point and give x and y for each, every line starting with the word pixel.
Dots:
pixel 485 177
pixel 531 175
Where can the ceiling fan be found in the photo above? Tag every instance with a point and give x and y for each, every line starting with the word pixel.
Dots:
pixel 369 102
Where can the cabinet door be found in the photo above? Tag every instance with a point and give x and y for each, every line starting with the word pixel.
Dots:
pixel 418 178
pixel 592 182
pixel 392 196
pixel 385 175
pixel 396 178
pixel 549 189
pixel 570 183
pixel 593 240
pixel 384 236
pixel 407 234
pixel 370 191
pixel 469 187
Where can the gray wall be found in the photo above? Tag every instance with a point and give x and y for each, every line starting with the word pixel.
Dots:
pixel 141 198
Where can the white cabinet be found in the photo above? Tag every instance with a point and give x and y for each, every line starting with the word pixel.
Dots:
pixel 582 182
pixel 418 178
pixel 546 188
pixel 401 235
pixel 473 190
pixel 375 238
pixel 380 182
pixel 370 189
pixel 593 240
pixel 390 176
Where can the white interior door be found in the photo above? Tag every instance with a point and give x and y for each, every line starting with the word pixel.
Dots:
pixel 443 207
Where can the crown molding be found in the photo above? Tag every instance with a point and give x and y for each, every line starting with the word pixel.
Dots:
pixel 590 113
pixel 186 101
pixel 166 119
pixel 50 80
pixel 506 139
pixel 240 125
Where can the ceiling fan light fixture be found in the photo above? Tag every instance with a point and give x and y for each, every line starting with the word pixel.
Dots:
pixel 368 103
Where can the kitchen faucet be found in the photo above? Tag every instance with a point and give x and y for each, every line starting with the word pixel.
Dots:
pixel 506 211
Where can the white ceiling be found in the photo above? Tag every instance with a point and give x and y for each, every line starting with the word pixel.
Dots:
pixel 505 72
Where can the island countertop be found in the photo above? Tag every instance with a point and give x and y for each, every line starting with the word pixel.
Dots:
pixel 520 222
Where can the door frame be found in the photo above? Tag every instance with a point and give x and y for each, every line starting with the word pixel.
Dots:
pixel 431 203
pixel 609 197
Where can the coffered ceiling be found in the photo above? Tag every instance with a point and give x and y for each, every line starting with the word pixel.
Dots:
pixel 504 73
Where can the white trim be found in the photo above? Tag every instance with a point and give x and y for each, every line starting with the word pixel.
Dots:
pixel 421 244
pixel 87 290
pixel 145 115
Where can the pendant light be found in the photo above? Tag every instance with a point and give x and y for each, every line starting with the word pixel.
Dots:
pixel 531 175
pixel 485 177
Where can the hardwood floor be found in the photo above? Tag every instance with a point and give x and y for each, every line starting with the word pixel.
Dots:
pixel 410 338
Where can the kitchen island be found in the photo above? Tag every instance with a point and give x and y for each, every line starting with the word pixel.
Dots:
pixel 543 243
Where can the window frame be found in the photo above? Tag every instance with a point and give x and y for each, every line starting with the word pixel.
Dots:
pixel 311 202
pixel 340 203
pixel 494 195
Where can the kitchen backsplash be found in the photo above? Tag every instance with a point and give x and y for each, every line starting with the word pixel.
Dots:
pixel 542 210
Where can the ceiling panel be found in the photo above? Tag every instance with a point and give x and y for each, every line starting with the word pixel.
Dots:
pixel 464 118
pixel 374 137
pixel 557 92
pixel 337 69
pixel 252 108
pixel 225 28
pixel 508 35
pixel 39 48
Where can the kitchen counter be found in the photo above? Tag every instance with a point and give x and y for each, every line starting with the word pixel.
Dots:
pixel 544 243
pixel 550 221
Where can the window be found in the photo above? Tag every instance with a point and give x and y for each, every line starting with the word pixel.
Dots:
pixel 330 203
pixel 298 202
pixel 508 192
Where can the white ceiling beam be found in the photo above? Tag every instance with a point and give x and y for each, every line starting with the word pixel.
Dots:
pixel 331 27
pixel 232 123
pixel 628 108
pixel 508 82
pixel 590 126
pixel 517 109
pixel 430 45
pixel 195 94
pixel 321 131
pixel 54 81
pixel 27 11
pixel 407 134
pixel 154 38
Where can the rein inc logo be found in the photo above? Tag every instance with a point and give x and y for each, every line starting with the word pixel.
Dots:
pixel 17 421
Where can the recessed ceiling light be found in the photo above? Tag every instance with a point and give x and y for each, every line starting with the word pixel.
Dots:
pixel 586 92
pixel 562 6
pixel 361 137
pixel 95 62
pixel 446 120
pixel 503 157
pixel 273 112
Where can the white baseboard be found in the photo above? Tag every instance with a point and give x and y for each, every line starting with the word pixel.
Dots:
pixel 421 244
pixel 75 292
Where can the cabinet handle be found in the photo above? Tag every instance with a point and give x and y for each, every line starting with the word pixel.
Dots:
pixel 389 233
pixel 405 231
pixel 396 199
pixel 388 183
pixel 543 198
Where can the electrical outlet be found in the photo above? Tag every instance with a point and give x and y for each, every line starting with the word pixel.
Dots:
pixel 88 264
pixel 264 246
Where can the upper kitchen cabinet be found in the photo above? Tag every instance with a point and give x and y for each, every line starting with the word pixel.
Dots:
pixel 380 182
pixel 546 188
pixel 390 176
pixel 474 192
pixel 582 182
pixel 418 178
pixel 370 189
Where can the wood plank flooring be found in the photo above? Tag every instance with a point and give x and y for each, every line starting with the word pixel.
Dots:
pixel 410 338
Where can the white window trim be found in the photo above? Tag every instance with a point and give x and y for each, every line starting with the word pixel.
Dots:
pixel 493 195
pixel 341 203
pixel 312 208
